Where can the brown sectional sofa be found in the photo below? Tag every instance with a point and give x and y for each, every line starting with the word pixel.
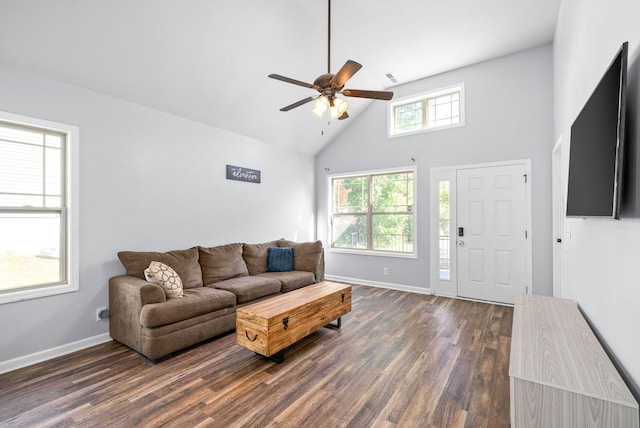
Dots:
pixel 216 280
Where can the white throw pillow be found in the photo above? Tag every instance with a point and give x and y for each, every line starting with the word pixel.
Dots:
pixel 165 277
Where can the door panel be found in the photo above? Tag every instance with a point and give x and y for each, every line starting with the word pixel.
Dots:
pixel 492 253
pixel 476 266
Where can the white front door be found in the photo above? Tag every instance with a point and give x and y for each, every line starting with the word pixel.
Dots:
pixel 492 232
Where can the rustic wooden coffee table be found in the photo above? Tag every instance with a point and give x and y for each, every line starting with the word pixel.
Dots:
pixel 269 326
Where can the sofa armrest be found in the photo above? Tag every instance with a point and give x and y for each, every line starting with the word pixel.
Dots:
pixel 320 269
pixel 127 296
pixel 140 290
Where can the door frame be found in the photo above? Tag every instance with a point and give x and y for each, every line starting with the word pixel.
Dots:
pixel 444 287
pixel 557 177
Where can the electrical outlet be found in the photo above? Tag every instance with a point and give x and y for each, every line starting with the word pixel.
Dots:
pixel 98 310
pixel 385 271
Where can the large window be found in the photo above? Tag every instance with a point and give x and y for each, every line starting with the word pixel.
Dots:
pixel 38 244
pixel 433 110
pixel 373 212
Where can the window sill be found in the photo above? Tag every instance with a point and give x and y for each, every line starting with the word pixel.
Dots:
pixel 21 295
pixel 425 130
pixel 373 253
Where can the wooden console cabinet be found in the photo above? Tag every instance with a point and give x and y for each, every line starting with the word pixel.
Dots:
pixel 560 375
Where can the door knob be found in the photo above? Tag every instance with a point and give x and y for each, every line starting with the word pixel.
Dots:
pixel 461 243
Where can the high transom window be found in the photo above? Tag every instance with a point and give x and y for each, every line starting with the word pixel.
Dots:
pixel 433 110
pixel 35 248
pixel 373 212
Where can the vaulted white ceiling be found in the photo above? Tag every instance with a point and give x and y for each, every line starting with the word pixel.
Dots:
pixel 208 60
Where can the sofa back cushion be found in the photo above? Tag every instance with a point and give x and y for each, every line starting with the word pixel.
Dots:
pixel 255 256
pixel 184 262
pixel 222 262
pixel 308 254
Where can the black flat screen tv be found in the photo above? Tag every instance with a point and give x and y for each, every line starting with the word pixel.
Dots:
pixel 597 147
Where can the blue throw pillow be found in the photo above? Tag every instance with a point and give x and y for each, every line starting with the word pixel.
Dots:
pixel 280 259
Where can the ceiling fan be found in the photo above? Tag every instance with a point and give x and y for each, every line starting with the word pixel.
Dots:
pixel 328 85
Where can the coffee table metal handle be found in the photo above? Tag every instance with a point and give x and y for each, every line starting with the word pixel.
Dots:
pixel 254 337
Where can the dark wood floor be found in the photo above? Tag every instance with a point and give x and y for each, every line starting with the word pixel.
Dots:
pixel 400 359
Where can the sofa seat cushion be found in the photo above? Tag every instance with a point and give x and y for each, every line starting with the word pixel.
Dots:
pixel 194 302
pixel 181 326
pixel 248 288
pixel 291 280
pixel 184 262
pixel 222 262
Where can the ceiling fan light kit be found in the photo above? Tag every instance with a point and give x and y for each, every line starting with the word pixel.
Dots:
pixel 328 85
pixel 320 105
pixel 335 105
pixel 338 107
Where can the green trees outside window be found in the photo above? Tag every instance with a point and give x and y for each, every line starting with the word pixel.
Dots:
pixel 373 212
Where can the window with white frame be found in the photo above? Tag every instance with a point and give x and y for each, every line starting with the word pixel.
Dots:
pixel 442 108
pixel 38 221
pixel 373 211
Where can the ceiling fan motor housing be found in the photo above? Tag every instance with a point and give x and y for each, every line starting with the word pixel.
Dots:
pixel 324 81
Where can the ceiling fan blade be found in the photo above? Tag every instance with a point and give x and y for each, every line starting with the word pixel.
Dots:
pixel 376 95
pixel 297 104
pixel 348 69
pixel 295 82
pixel 344 116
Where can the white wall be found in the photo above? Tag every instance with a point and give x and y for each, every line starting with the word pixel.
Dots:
pixel 148 181
pixel 508 116
pixel 602 256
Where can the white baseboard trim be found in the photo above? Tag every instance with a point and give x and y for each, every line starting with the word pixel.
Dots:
pixel 48 354
pixel 408 288
pixel 388 285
